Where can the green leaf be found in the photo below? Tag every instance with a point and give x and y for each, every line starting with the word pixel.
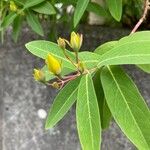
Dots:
pixel 42 48
pixel 62 103
pixel 115 8
pixel 89 59
pixel 45 8
pixel 145 68
pixel 8 19
pixel 103 108
pixel 31 3
pixel 92 7
pixel 133 49
pixel 17 27
pixel 127 106
pixel 88 117
pixel 79 11
pixel 102 49
pixel 19 2
pixel 97 9
pixel 34 23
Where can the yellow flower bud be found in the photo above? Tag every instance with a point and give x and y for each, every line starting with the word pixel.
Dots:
pixel 53 64
pixel 76 41
pixel 39 75
pixel 61 42
pixel 13 6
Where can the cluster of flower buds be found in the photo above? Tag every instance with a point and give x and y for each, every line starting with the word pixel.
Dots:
pixel 75 41
pixel 13 6
pixel 55 66
pixel 75 44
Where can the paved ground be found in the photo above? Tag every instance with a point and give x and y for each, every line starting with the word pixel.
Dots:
pixel 21 98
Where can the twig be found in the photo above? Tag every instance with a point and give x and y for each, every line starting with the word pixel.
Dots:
pixel 146 8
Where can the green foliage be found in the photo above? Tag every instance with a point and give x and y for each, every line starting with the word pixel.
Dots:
pixel 87 115
pixel 31 3
pixel 104 91
pixel 34 12
pixel 127 106
pixel 34 23
pixel 105 113
pixel 29 10
pixel 115 8
pixel 17 24
pixel 42 48
pixel 80 8
pixel 61 105
pixel 129 50
pixel 44 8
pixel 8 20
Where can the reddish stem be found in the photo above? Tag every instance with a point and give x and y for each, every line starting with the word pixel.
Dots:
pixel 146 8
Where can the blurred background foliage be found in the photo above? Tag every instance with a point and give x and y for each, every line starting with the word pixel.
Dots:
pixel 38 13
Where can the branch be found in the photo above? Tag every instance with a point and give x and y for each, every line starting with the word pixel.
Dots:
pixel 146 8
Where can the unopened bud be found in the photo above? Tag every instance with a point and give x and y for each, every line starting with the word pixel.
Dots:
pixel 55 85
pixel 53 64
pixel 39 75
pixel 76 41
pixel 13 6
pixel 61 42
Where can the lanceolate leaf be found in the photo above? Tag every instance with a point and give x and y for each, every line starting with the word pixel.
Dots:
pixel 104 48
pixel 97 9
pixel 44 8
pixel 88 117
pixel 42 48
pixel 103 108
pixel 133 49
pixel 17 24
pixel 34 23
pixel 62 103
pixel 30 3
pixel 79 11
pixel 127 106
pixel 8 19
pixel 115 8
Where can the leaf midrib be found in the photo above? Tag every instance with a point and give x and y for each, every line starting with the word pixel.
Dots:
pixel 133 55
pixel 62 58
pixel 89 114
pixel 126 103
pixel 119 44
pixel 116 6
